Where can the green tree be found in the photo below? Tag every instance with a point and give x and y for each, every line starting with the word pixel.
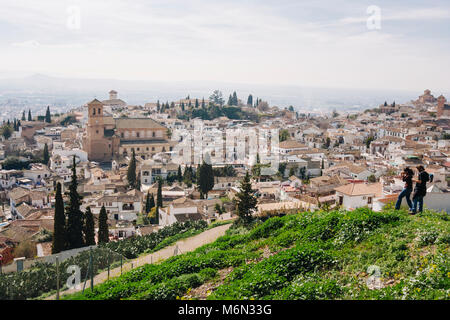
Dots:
pixel 59 223
pixel 6 131
pixel 74 214
pixel 23 116
pixel 368 141
pixel 246 201
pixel 89 228
pixel 149 202
pixel 131 173
pixel 284 135
pixel 103 232
pixel 372 178
pixel 48 117
pixel 29 116
pixel 46 156
pixel 250 100
pixel 217 98
pixel 205 179
pixel 235 100
pixel 159 200
pixel 179 174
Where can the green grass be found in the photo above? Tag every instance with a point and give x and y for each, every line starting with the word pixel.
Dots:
pixel 311 255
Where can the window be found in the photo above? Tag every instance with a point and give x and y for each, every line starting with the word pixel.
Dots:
pixel 122 135
pixel 93 112
pixel 341 200
pixel 138 134
pixel 369 200
pixel 153 134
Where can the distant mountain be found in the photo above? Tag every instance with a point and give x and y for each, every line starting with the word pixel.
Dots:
pixel 73 91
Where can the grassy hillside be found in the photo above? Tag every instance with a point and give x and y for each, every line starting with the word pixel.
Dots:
pixel 318 255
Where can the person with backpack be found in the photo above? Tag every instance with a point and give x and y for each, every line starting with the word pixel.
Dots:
pixel 420 190
pixel 407 176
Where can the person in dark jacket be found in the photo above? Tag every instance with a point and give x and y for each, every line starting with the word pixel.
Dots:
pixel 407 176
pixel 420 190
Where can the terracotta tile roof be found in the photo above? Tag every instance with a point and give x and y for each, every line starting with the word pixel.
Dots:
pixel 359 189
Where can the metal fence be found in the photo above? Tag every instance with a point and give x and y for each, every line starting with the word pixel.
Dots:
pixel 70 272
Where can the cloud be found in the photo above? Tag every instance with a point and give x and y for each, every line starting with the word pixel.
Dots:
pixel 26 44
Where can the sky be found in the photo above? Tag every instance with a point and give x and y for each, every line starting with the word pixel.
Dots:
pixel 317 43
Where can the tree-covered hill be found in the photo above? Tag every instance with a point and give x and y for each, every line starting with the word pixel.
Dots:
pixel 312 255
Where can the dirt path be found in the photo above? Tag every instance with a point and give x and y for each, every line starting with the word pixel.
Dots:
pixel 185 245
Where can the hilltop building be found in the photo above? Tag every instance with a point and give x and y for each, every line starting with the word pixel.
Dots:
pixel 113 101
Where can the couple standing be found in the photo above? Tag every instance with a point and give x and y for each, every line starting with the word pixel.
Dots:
pixel 419 191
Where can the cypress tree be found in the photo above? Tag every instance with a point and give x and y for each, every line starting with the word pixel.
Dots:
pixel 131 174
pixel 203 103
pixel 74 214
pixel 196 103
pixel 235 99
pixel 46 156
pixel 158 107
pixel 149 202
pixel 179 174
pixel 23 116
pixel 230 100
pixel 89 228
pixel 103 232
pixel 59 225
pixel 48 117
pixel 205 179
pixel 250 100
pixel 246 200
pixel 159 201
pixel 29 116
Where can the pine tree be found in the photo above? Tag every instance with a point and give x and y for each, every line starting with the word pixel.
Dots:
pixel 48 117
pixel 46 156
pixel 250 100
pixel 74 214
pixel 103 232
pixel 159 201
pixel 246 201
pixel 89 228
pixel 29 116
pixel 131 174
pixel 230 100
pixel 59 224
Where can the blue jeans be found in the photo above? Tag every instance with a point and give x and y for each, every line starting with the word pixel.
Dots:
pixel 418 199
pixel 406 193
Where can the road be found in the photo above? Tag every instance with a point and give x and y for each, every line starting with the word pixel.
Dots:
pixel 185 245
